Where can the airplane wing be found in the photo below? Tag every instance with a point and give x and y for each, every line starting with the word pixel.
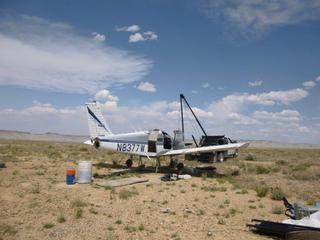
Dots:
pixel 215 148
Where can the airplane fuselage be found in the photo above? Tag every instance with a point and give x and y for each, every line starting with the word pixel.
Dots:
pixel 136 143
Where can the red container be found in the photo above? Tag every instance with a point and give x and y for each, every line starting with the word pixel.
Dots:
pixel 71 175
pixel 71 171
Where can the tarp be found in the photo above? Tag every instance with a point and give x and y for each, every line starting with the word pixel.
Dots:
pixel 311 221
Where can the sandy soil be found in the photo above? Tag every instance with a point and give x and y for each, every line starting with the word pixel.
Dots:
pixel 35 202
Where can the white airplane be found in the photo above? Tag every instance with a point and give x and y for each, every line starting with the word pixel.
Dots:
pixel 151 144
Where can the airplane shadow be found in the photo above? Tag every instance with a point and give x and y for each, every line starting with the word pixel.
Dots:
pixel 117 169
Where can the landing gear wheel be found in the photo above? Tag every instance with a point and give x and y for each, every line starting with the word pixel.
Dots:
pixel 173 163
pixel 180 167
pixel 220 157
pixel 129 163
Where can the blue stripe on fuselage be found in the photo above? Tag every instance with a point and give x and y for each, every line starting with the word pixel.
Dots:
pixel 122 141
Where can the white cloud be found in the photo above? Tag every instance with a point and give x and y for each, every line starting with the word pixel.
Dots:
pixel 205 85
pixel 285 116
pixel 98 37
pixel 318 79
pixel 255 83
pixel 309 84
pixel 108 101
pixel 194 91
pixel 105 95
pixel 138 37
pixel 235 121
pixel 235 102
pixel 52 56
pixel 43 117
pixel 254 17
pixel 132 28
pixel 150 35
pixel 146 87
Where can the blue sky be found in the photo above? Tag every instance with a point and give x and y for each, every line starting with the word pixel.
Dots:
pixel 249 67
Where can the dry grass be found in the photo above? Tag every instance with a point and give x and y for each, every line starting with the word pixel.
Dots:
pixel 35 202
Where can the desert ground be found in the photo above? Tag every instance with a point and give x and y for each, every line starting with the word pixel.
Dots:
pixel 36 203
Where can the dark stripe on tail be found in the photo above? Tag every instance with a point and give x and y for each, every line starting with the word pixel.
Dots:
pixel 95 117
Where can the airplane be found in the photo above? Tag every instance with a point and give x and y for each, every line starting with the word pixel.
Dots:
pixel 151 144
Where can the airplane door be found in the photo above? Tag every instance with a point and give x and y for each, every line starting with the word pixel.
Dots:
pixel 152 141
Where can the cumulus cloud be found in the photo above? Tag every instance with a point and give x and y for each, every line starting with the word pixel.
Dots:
pixel 107 100
pixel 309 84
pixel 132 28
pixel 138 37
pixel 44 117
pixel 225 116
pixel 254 17
pixel 235 102
pixel 205 85
pixel 146 87
pixel 53 56
pixel 105 95
pixel 98 37
pixel 285 116
pixel 150 35
pixel 255 83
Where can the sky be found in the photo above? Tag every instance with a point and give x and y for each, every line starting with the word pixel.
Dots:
pixel 249 68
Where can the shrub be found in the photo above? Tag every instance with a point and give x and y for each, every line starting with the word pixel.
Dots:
pixel 282 162
pixel 251 157
pixel 277 209
pixel 221 221
pixel 277 194
pixel 125 194
pixel 299 167
pixel 61 219
pixel 35 188
pixel 262 191
pixel 141 227
pixel 233 211
pixel 7 230
pixel 118 221
pixel 79 213
pixel 262 169
pixel 78 203
pixel 48 225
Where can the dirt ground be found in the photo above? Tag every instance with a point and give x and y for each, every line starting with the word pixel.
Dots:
pixel 35 202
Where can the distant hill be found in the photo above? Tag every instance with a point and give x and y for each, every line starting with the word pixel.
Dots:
pixel 274 144
pixel 52 137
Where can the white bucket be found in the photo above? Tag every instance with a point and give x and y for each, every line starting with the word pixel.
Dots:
pixel 84 172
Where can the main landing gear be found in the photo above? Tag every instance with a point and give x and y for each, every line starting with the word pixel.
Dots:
pixel 129 163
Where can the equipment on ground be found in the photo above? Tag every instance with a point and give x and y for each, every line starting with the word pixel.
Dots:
pixel 281 230
pixel 206 140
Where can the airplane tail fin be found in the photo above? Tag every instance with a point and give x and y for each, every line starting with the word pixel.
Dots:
pixel 97 124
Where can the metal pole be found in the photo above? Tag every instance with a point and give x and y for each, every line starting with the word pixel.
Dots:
pixel 204 132
pixel 181 110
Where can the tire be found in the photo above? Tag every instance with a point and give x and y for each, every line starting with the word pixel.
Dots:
pixel 129 163
pixel 220 157
pixel 180 166
pixel 236 154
